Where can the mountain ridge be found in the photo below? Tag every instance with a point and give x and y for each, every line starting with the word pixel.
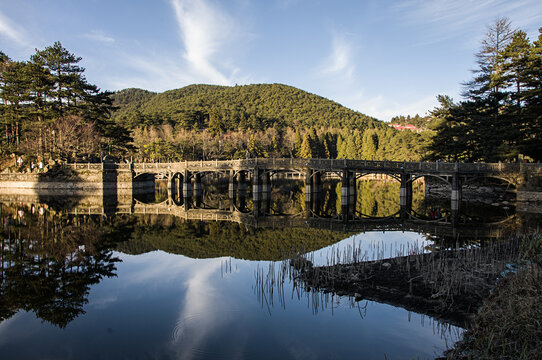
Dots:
pixel 254 106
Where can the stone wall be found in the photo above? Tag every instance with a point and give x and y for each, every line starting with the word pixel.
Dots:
pixel 529 196
pixel 66 180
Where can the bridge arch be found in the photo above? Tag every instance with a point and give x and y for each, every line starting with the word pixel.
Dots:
pixel 472 179
pixel 419 176
pixel 396 177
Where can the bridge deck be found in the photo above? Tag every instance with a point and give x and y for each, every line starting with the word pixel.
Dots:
pixel 290 164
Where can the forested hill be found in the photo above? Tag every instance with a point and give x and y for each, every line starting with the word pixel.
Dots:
pixel 223 108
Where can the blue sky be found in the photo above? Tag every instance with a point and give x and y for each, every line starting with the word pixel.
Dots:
pixel 382 57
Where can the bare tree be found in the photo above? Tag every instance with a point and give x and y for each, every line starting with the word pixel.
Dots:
pixel 71 136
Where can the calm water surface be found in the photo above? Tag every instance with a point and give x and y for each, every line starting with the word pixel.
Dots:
pixel 160 287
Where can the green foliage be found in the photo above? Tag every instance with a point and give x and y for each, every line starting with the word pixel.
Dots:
pixel 500 118
pixel 50 269
pixel 305 152
pixel 255 107
pixel 215 239
pixel 44 99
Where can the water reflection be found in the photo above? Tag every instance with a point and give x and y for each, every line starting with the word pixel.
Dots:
pixel 49 264
pixel 198 279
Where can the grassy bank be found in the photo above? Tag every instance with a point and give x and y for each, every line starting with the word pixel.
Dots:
pixel 509 324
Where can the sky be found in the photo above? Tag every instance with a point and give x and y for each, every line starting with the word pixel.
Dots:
pixel 383 58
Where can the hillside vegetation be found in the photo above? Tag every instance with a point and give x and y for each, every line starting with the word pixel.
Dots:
pixel 223 108
pixel 264 120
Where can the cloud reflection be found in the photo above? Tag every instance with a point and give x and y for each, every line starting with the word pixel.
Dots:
pixel 200 314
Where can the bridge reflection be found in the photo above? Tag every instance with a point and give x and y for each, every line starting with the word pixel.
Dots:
pixel 314 211
pixel 451 225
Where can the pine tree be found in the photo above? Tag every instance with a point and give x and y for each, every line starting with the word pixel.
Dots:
pixel 69 83
pixel 297 144
pixel 358 141
pixel 327 146
pixel 15 93
pixel 532 139
pixel 351 150
pixel 315 144
pixel 370 144
pixel 341 147
pixel 515 68
pixel 305 152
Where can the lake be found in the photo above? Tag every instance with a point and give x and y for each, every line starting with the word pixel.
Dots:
pixel 82 280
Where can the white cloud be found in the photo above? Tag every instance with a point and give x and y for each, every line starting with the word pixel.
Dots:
pixel 100 36
pixel 209 46
pixel 11 31
pixel 340 61
pixel 206 33
pixel 384 109
pixel 463 18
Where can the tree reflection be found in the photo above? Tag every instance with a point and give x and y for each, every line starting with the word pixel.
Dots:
pixel 50 262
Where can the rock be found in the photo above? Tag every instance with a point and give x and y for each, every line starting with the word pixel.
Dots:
pixel 386 265
pixel 358 297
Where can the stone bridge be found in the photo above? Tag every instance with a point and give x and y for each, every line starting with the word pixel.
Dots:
pixel 187 175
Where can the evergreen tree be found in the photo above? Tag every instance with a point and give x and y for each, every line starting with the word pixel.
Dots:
pixel 305 152
pixel 498 119
pixel 532 119
pixel 351 150
pixel 341 147
pixel 69 83
pixel 48 96
pixel 369 144
pixel 327 151
pixel 274 145
pixel 314 144
pixel 358 141
pixel 515 67
pixel 297 144
pixel 15 93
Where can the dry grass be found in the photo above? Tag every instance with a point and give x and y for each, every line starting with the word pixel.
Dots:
pixel 509 325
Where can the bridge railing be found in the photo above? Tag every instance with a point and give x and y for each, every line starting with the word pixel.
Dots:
pixel 331 164
pixel 86 166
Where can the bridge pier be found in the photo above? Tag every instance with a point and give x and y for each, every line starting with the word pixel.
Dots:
pixel 316 203
pixel 187 184
pixel 256 192
pixel 256 186
pixel 170 183
pixel 456 192
pixel 348 193
pixel 316 182
pixel 308 185
pixel 197 184
pixel 353 190
pixel 187 189
pixel 405 193
pixel 266 186
pixel 198 191
pixel 242 182
pixel 231 184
